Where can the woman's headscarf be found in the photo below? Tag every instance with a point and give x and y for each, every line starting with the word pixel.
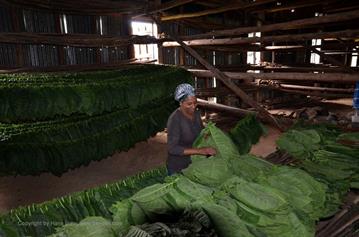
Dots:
pixel 183 91
pixel 356 96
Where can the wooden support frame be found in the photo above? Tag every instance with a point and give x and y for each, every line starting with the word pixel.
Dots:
pixel 227 81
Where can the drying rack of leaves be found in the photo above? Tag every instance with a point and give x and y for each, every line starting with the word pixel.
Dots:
pixel 59 145
pixel 34 97
pixel 88 116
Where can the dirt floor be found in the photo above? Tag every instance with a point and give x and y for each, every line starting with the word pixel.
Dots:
pixel 25 190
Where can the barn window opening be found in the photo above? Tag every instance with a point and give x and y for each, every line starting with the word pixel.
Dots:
pixel 254 57
pixel 145 51
pixel 354 61
pixel 314 57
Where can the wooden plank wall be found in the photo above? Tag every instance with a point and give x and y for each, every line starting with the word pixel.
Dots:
pixel 40 21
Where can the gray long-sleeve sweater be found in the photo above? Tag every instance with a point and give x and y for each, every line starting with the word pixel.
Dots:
pixel 181 134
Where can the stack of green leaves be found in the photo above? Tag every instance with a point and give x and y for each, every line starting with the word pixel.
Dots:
pixel 319 152
pixel 267 200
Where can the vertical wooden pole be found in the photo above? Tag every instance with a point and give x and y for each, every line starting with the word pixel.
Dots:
pixel 128 30
pixel 59 30
pixel 16 16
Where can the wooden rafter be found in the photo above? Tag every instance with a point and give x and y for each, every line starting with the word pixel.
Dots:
pixel 296 24
pixel 268 39
pixel 229 7
pixel 93 7
pixel 318 77
pixel 163 7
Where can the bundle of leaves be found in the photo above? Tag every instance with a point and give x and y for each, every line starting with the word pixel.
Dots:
pixel 322 152
pixel 246 133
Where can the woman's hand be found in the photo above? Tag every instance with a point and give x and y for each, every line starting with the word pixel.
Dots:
pixel 207 151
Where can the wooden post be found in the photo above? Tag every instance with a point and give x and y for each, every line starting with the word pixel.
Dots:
pixel 17 28
pixel 180 31
pixel 58 30
pixel 227 81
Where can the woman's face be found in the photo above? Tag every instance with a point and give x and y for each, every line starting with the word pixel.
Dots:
pixel 189 104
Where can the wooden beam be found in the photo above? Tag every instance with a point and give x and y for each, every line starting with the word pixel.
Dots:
pixel 224 108
pixel 310 93
pixel 284 48
pixel 314 88
pixel 319 77
pixel 227 81
pixel 296 24
pixel 277 68
pixel 229 7
pixel 80 40
pixel 267 39
pixel 163 7
pixel 93 7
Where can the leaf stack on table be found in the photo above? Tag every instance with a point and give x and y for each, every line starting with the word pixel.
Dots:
pixel 54 122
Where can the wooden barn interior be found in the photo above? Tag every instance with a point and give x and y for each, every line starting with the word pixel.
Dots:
pixel 86 88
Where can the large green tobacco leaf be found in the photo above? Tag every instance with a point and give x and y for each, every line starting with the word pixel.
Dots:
pixel 211 172
pixel 216 138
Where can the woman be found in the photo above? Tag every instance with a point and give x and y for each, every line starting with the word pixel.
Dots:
pixel 183 127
